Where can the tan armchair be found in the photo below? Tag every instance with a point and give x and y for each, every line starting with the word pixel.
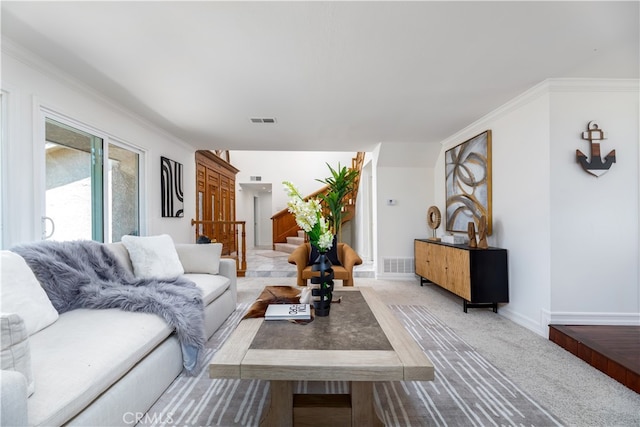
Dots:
pixel 346 255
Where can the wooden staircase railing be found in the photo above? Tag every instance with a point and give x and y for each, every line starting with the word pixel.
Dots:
pixel 350 205
pixel 226 232
pixel 284 224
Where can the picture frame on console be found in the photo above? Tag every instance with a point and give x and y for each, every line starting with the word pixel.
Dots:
pixel 468 183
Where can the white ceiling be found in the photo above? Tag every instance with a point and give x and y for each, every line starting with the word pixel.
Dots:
pixel 337 76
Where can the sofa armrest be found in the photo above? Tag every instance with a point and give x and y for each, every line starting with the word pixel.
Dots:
pixel 300 257
pixel 13 409
pixel 228 269
pixel 350 257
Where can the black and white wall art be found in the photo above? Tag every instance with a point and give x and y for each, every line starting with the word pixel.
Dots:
pixel 171 187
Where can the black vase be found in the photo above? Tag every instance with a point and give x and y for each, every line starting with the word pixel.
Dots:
pixel 324 292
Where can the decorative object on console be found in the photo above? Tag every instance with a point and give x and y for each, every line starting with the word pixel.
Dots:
pixel 172 195
pixel 595 166
pixel 433 221
pixel 471 232
pixel 454 239
pixel 468 183
pixel 482 233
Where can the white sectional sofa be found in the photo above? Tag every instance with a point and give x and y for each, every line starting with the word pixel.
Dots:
pixel 106 367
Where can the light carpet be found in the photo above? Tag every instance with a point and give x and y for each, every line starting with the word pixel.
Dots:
pixel 467 390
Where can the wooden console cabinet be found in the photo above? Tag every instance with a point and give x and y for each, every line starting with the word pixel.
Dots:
pixel 479 276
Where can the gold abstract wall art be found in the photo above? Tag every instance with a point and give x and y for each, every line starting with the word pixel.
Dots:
pixel 468 183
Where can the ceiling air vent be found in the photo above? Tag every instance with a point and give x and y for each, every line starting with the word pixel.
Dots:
pixel 255 178
pixel 263 120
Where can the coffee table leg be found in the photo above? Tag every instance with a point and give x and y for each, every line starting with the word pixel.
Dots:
pixel 280 410
pixel 363 412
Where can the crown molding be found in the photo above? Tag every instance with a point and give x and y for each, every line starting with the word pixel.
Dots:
pixel 593 85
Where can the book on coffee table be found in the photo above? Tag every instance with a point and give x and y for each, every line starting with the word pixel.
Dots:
pixel 288 312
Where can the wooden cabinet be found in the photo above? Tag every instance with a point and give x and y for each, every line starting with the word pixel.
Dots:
pixel 479 276
pixel 215 199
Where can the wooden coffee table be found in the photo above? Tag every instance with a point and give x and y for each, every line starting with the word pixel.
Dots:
pixel 361 341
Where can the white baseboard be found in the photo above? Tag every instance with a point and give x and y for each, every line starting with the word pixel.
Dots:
pixel 537 327
pixel 586 318
pixel 547 318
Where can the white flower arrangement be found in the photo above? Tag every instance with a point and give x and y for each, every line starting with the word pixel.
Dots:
pixel 309 217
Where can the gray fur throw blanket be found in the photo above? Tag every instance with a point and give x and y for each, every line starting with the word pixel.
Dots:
pixel 86 274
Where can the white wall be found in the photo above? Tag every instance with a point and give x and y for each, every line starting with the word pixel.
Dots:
pixel 572 239
pixel 364 224
pixel 31 85
pixel 520 203
pixel 403 173
pixel 594 221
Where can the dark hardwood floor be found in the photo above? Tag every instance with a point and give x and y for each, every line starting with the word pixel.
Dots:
pixel 614 350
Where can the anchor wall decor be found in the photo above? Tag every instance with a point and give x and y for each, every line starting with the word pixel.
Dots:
pixel 595 166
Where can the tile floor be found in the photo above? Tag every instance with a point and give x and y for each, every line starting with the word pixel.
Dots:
pixel 268 263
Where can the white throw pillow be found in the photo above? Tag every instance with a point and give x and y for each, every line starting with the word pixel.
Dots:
pixel 15 354
pixel 153 256
pixel 200 258
pixel 22 294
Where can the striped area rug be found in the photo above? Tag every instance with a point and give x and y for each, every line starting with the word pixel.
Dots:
pixel 467 391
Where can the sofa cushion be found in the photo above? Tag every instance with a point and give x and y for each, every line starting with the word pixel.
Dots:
pixel 211 285
pixel 119 250
pixel 200 258
pixel 14 348
pixel 13 404
pixel 82 354
pixel 339 273
pixel 153 256
pixel 22 294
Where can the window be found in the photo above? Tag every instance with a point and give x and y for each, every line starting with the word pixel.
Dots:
pixel 124 192
pixel 92 185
